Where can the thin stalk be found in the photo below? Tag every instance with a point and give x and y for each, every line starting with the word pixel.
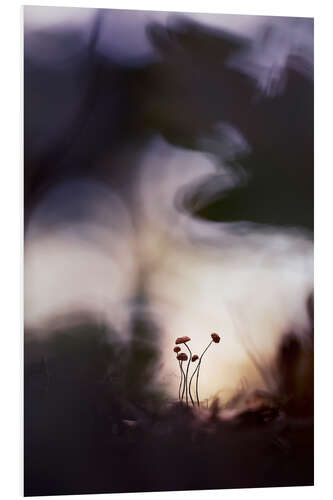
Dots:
pixel 181 379
pixel 181 367
pixel 197 384
pixel 198 372
pixel 188 365
pixel 189 387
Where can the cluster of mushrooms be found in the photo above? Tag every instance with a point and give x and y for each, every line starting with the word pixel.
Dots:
pixel 185 385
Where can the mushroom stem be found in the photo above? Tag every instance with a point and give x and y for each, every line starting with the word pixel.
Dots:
pixel 181 379
pixel 181 367
pixel 198 372
pixel 189 386
pixel 188 365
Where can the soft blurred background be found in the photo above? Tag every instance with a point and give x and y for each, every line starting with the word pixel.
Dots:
pixel 168 192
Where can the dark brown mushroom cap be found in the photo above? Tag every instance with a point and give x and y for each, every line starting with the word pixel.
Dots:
pixel 182 340
pixel 195 357
pixel 182 356
pixel 176 349
pixel 216 338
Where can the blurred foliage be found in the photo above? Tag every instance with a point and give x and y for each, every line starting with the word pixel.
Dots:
pixel 183 92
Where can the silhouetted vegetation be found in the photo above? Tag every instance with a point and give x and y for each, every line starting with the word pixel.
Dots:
pixel 96 422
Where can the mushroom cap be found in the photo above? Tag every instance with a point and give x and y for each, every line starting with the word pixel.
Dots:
pixel 216 338
pixel 182 356
pixel 176 349
pixel 182 340
pixel 195 357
